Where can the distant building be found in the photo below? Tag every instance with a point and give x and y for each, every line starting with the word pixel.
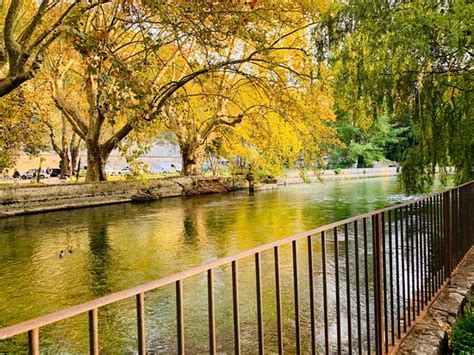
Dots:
pixel 159 153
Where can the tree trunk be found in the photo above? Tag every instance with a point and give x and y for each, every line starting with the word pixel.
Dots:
pixel 214 163
pixel 251 179
pixel 74 152
pixel 64 163
pixel 96 160
pixel 64 156
pixel 192 157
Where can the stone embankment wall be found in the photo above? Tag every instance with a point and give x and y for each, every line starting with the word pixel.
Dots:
pixel 430 335
pixel 39 198
pixel 340 174
pixel 22 199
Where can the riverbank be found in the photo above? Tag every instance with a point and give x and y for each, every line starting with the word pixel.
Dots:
pixel 35 198
pixel 338 174
pixel 24 199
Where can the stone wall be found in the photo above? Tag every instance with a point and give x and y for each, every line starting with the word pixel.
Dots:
pixel 38 198
pixel 430 335
pixel 22 199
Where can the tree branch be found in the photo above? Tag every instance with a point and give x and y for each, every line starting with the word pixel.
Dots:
pixel 11 46
pixel 69 110
pixel 12 82
pixel 112 142
pixel 51 135
pixel 28 32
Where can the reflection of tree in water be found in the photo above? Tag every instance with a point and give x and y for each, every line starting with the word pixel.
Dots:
pixel 344 198
pixel 218 224
pixel 113 319
pixel 190 233
pixel 99 257
pixel 194 228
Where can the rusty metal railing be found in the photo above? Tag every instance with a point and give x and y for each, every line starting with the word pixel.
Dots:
pixel 399 258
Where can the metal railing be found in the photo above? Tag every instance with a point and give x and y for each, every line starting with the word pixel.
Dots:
pixel 379 272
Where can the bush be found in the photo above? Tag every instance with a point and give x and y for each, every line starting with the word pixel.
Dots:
pixel 462 335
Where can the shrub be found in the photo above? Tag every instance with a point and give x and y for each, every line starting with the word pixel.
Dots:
pixel 462 335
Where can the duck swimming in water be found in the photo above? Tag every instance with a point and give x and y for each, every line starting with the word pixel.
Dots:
pixel 61 254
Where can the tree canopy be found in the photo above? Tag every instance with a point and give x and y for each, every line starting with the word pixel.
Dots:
pixel 415 59
pixel 265 82
pixel 20 130
pixel 139 64
pixel 28 28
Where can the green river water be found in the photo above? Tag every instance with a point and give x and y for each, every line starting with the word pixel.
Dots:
pixel 119 246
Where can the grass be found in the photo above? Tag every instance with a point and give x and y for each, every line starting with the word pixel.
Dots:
pixel 462 334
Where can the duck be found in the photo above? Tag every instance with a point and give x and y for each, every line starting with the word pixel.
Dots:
pixel 61 254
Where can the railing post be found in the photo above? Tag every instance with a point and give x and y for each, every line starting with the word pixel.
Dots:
pixel 33 341
pixel 258 277
pixel 378 283
pixel 470 200
pixel 235 304
pixel 468 209
pixel 140 298
pixel 180 316
pixel 296 297
pixel 212 315
pixel 447 231
pixel 94 331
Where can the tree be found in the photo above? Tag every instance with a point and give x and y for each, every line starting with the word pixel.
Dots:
pixel 213 155
pixel 67 146
pixel 250 74
pixel 299 130
pixel 20 130
pixel 415 59
pixel 37 100
pixel 27 30
pixel 198 115
pixel 364 146
pixel 95 88
pixel 134 60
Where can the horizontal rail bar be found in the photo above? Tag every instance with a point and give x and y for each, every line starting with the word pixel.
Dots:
pixel 31 324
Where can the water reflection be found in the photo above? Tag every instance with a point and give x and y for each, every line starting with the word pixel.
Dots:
pixel 99 259
pixel 120 246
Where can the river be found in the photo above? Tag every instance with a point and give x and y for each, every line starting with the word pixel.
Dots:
pixel 119 246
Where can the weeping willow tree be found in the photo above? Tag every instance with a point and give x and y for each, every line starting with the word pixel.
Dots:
pixel 411 58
